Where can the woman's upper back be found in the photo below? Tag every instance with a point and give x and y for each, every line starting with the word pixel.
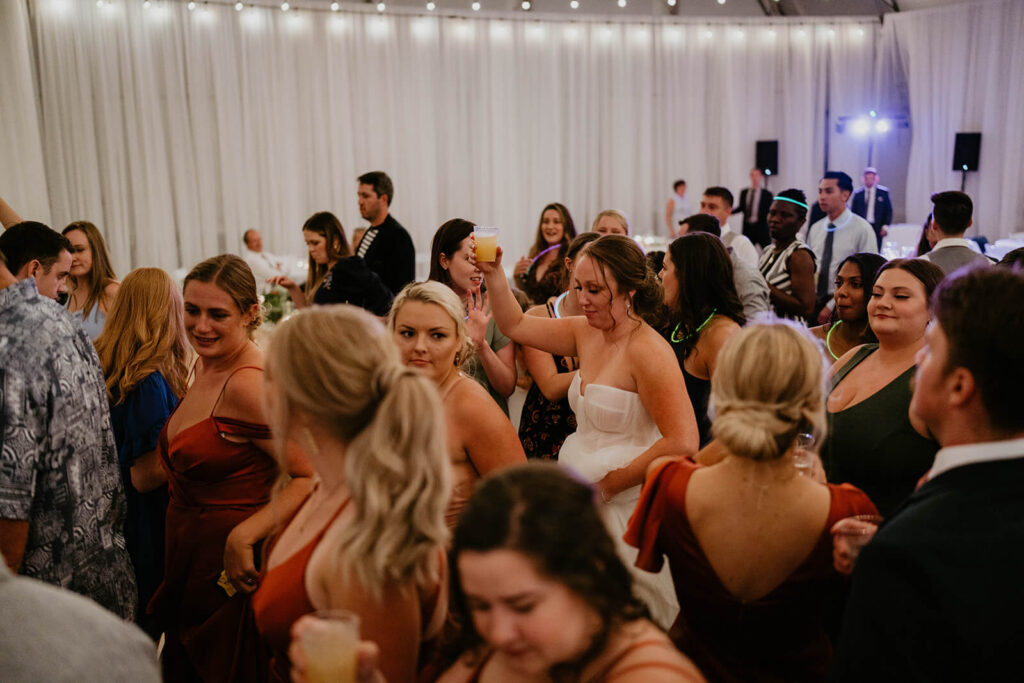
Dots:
pixel 737 542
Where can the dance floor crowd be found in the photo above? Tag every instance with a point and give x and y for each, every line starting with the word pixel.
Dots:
pixel 775 459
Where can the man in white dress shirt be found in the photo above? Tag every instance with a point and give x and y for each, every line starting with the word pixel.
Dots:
pixel 264 264
pixel 717 202
pixel 836 236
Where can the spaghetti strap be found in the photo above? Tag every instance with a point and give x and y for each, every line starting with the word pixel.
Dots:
pixel 606 671
pixel 862 353
pixel 225 386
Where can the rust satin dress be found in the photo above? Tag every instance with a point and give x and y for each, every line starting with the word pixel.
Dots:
pixel 214 485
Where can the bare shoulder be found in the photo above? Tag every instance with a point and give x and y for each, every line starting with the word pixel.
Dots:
pixel 649 350
pixel 649 657
pixel 540 311
pixel 820 331
pixel 461 671
pixel 720 329
pixel 243 392
pixel 110 291
pixel 844 359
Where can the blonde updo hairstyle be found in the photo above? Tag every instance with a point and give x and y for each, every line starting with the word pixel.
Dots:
pixel 338 366
pixel 432 292
pixel 768 387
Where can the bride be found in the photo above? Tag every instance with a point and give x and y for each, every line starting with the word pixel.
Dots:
pixel 628 396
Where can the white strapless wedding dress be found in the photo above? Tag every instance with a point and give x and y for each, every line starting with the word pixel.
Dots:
pixel 613 428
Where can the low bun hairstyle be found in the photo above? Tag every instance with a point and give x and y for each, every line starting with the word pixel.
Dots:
pixel 626 263
pixel 338 366
pixel 768 387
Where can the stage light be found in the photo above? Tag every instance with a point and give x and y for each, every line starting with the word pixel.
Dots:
pixel 873 113
pixel 860 127
pixel 767 171
pixel 965 167
pixel 882 126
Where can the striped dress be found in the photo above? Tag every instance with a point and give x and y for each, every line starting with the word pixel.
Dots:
pixel 774 266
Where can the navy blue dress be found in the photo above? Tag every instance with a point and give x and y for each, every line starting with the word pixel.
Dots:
pixel 137 422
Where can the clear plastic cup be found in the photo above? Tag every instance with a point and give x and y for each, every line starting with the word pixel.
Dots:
pixel 486 243
pixel 330 646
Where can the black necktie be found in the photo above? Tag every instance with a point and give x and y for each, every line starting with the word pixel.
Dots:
pixel 826 261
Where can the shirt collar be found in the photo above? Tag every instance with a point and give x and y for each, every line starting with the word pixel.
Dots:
pixel 23 290
pixel 951 242
pixel 969 454
pixel 725 229
pixel 841 220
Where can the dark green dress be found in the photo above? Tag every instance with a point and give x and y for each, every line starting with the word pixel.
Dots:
pixel 872 444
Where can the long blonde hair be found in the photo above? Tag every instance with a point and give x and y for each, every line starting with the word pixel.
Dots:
pixel 338 365
pixel 101 274
pixel 431 292
pixel 144 333
pixel 768 388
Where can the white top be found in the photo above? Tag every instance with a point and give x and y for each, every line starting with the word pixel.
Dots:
pixel 953 242
pixel 680 210
pixel 852 235
pixel 869 200
pixel 266 265
pixel 741 246
pixel 973 453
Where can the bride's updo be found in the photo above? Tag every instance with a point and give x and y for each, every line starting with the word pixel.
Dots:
pixel 767 388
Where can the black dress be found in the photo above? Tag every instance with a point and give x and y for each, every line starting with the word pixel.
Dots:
pixel 545 424
pixel 350 281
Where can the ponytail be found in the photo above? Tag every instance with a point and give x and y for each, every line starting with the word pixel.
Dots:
pixel 338 365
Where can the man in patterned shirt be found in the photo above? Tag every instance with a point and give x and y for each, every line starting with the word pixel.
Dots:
pixel 61 503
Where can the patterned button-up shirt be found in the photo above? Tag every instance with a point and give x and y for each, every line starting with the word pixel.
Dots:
pixel 58 462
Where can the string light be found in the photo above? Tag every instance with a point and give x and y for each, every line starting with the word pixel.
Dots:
pixel 191 6
pixel 575 4
pixel 285 7
pixel 431 6
pixel 335 7
pixel 622 3
pixel 671 3
pixel 239 7
pixel 381 7
pixel 721 2
pixel 145 5
pixel 475 6
pixel 526 5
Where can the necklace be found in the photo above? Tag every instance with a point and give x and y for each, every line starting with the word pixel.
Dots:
pixel 828 338
pixel 558 302
pixel 696 331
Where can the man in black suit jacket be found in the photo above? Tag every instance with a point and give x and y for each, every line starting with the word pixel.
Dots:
pixel 937 594
pixel 873 194
pixel 754 204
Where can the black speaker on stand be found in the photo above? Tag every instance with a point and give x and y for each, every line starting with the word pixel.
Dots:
pixel 966 151
pixel 766 155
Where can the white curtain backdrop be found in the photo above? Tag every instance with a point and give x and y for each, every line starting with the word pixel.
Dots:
pixel 964 66
pixel 22 178
pixel 175 130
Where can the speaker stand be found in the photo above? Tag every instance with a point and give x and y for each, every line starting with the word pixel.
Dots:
pixel 963 180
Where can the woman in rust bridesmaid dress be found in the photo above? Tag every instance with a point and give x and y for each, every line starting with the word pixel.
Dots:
pixel 217 453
